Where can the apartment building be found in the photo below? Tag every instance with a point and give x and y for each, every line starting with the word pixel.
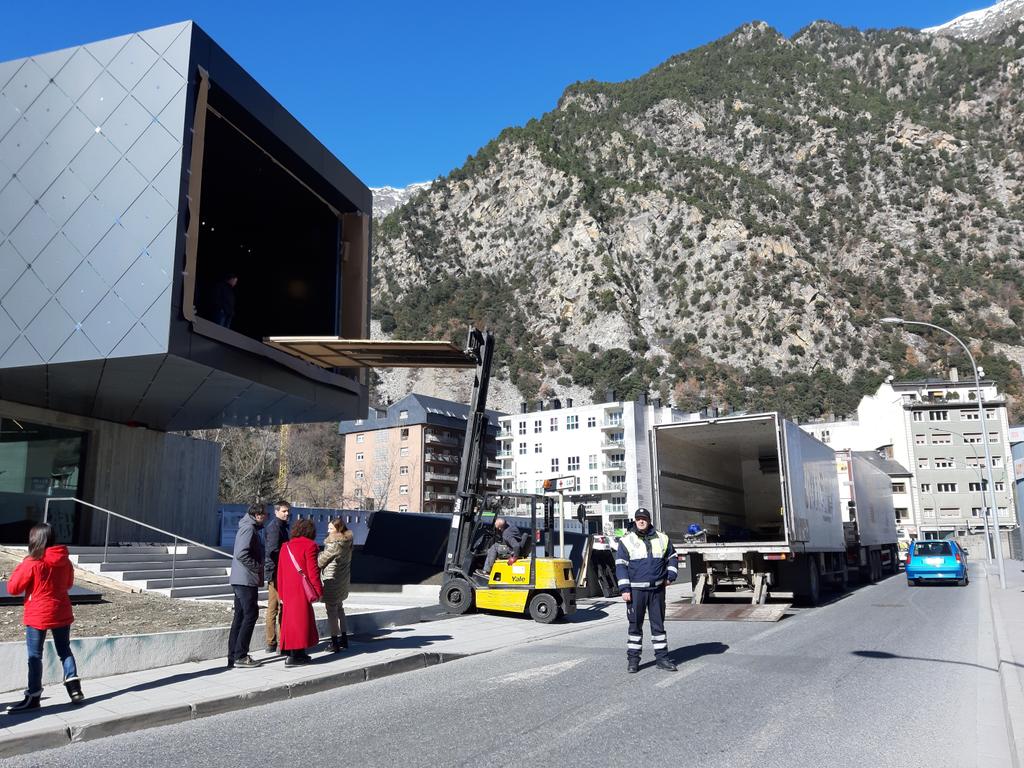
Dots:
pixel 604 446
pixel 405 457
pixel 933 428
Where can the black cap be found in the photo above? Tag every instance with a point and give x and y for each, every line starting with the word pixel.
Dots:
pixel 642 514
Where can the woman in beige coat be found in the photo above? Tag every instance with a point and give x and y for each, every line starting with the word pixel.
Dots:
pixel 336 573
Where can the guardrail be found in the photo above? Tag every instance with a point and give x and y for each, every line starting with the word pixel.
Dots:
pixel 106 536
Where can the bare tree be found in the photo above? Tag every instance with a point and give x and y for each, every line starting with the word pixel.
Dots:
pixel 248 464
pixel 385 470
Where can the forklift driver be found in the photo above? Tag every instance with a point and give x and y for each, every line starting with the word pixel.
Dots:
pixel 509 546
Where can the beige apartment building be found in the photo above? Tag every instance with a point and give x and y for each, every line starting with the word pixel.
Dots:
pixel 405 457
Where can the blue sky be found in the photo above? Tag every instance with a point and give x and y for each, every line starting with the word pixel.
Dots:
pixel 404 91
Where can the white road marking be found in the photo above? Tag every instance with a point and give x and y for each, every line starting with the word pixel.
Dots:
pixel 684 672
pixel 549 670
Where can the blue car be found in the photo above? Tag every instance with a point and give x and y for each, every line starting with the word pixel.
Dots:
pixel 936 561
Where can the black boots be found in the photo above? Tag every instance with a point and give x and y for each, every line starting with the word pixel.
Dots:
pixel 31 701
pixel 632 665
pixel 665 664
pixel 338 644
pixel 344 640
pixel 74 688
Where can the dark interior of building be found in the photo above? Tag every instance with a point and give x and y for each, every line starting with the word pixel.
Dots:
pixel 259 223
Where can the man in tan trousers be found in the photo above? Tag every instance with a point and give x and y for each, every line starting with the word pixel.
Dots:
pixel 276 534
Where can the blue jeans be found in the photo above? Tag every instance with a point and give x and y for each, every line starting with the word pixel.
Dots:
pixel 35 639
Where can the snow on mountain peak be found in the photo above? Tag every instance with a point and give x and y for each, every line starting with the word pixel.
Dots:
pixel 976 25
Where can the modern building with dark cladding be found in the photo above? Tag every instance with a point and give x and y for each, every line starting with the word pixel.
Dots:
pixel 137 175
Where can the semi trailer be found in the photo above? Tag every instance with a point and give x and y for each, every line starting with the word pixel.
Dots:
pixel 753 503
pixel 869 518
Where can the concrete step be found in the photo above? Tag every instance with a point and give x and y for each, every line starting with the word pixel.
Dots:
pixel 209 591
pixel 188 581
pixel 133 549
pixel 141 557
pixel 161 565
pixel 165 573
pixel 261 596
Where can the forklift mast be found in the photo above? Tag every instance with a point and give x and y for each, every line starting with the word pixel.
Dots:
pixel 472 472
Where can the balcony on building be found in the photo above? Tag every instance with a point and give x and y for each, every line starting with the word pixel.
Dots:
pixel 612 421
pixel 432 476
pixel 613 466
pixel 610 444
pixel 435 438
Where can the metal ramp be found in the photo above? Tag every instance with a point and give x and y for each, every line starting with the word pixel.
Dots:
pixel 725 612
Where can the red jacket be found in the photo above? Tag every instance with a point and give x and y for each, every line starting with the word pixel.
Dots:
pixel 298 622
pixel 45 583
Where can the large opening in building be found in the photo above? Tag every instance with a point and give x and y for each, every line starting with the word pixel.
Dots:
pixel 36 463
pixel 268 252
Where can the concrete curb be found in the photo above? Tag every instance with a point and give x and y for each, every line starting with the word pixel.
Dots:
pixel 1009 679
pixel 118 654
pixel 58 736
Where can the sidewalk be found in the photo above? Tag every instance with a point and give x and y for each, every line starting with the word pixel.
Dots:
pixel 1008 617
pixel 137 700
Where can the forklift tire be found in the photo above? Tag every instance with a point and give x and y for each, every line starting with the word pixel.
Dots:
pixel 457 596
pixel 543 608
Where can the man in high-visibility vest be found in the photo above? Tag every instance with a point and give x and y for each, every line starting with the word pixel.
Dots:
pixel 644 565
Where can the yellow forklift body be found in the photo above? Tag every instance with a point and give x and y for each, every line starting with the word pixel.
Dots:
pixel 509 587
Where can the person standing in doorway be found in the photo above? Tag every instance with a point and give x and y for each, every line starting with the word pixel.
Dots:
pixel 224 300
pixel 644 565
pixel 276 534
pixel 246 579
pixel 298 583
pixel 336 574
pixel 45 576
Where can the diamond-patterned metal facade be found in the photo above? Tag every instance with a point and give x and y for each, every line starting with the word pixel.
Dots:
pixel 90 179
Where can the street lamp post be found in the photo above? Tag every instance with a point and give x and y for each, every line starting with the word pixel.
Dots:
pixel 981 482
pixel 984 431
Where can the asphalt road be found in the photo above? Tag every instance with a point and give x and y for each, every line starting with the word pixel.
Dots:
pixel 885 676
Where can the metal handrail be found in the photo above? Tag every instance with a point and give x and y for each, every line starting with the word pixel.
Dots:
pixel 106 535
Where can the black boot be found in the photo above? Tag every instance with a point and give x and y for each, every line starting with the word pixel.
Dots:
pixel 74 688
pixel 666 664
pixel 31 701
pixel 632 665
pixel 344 640
pixel 335 644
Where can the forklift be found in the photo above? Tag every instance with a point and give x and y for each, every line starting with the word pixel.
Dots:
pixel 542 587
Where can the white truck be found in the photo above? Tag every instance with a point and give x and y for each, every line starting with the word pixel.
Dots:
pixel 765 497
pixel 869 518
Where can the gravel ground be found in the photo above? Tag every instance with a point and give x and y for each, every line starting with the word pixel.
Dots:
pixel 120 613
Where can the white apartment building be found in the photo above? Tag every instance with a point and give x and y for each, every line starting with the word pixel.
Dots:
pixel 933 428
pixel 605 446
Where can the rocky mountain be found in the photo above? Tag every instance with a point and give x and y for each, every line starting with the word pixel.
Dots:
pixel 980 24
pixel 386 199
pixel 728 228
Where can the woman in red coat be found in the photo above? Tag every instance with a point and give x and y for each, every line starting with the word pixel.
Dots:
pixel 45 576
pixel 298 622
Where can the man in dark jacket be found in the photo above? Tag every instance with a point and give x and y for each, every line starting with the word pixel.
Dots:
pixel 224 300
pixel 276 534
pixel 644 565
pixel 508 547
pixel 246 579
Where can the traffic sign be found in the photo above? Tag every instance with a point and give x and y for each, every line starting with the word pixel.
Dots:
pixel 566 483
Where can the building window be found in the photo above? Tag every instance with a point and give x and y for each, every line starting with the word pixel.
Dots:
pixel 538 427
pixel 997 461
pixel 572 422
pixel 404 451
pixel 360 456
pixel 949 512
pixel 522 448
pixel 920 439
pixel 360 474
pixel 403 414
pixel 1000 485
pixel 926 487
pixel 826 436
pixel 1003 512
pixel 942 439
pixel 899 487
pixel 975 511
pixel 977 486
pixel 972 438
pixel 358 493
pixel 538 486
pixel 991 415
pixel 901 514
pixel 918 416
pixel 403 490
pixel 592 461
pixel 361 438
pixel 522 427
pixel 538 447
pixel 591 422
pixel 554 423
pixel 593 482
pixel 945 487
pixel 403 470
pixel 941 463
pixel 554 465
pixel 993 437
pixel 404 433
pixel 572 464
pixel 922 463
pixel 938 415
pixel 971 415
pixel 403 507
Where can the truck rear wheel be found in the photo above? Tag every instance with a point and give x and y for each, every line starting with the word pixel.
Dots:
pixel 811 595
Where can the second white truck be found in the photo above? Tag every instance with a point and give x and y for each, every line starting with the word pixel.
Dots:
pixel 765 497
pixel 869 519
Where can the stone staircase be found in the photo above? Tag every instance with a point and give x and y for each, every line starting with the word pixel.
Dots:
pixel 198 573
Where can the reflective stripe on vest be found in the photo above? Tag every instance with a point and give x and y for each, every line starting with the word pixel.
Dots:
pixel 637 547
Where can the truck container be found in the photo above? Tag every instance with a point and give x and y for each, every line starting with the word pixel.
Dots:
pixel 765 497
pixel 869 518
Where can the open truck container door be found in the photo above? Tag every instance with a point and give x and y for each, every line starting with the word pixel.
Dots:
pixel 766 498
